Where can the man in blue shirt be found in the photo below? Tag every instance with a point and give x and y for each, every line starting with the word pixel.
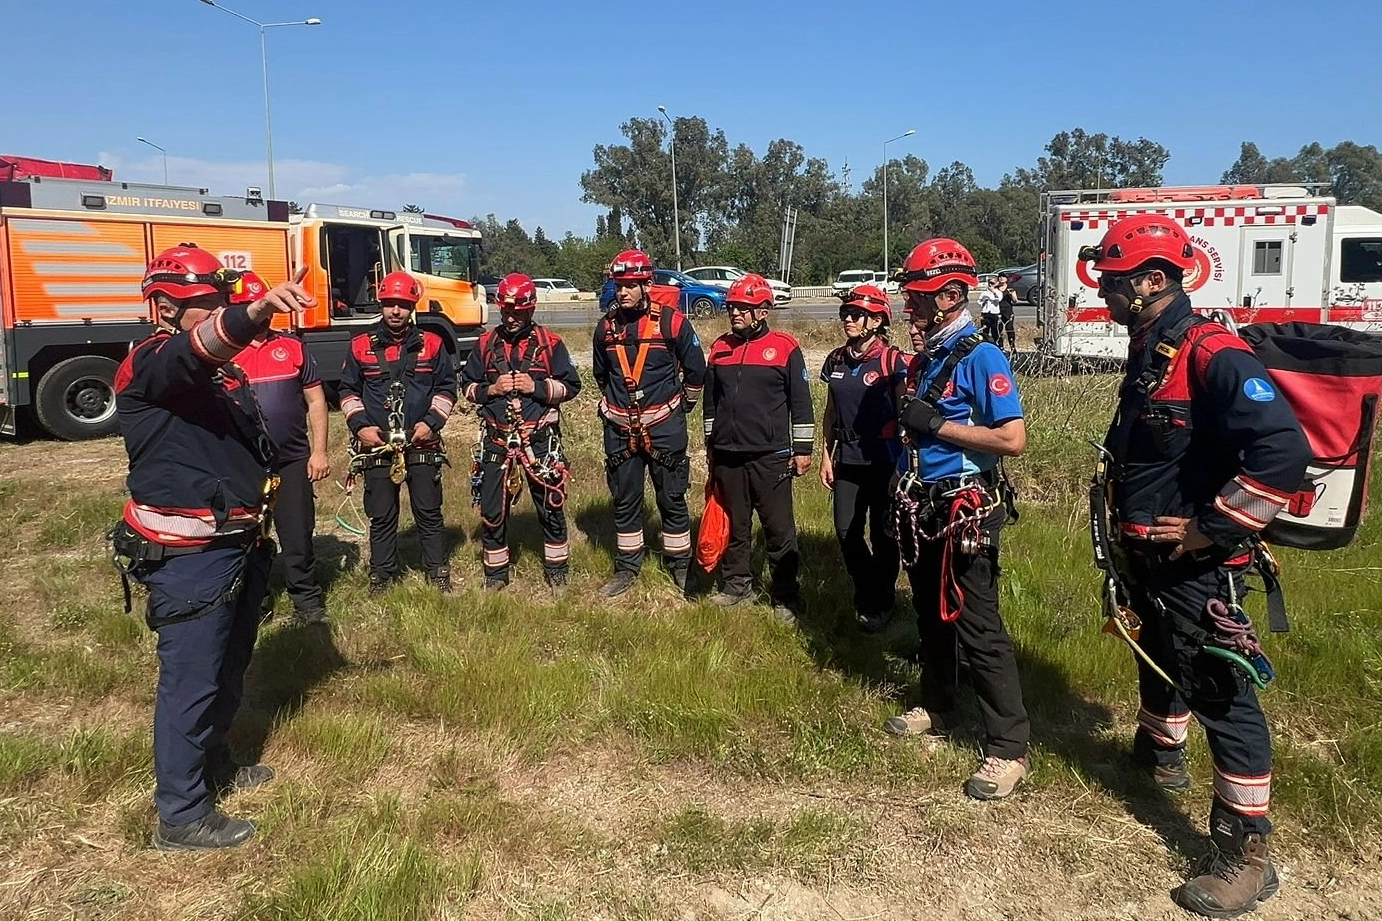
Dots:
pixel 961 414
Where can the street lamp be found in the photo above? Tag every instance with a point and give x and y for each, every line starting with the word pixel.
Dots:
pixel 676 213
pixel 264 59
pixel 908 133
pixel 160 150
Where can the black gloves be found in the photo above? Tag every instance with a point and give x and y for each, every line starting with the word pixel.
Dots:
pixel 922 416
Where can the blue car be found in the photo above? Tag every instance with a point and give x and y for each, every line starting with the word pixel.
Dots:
pixel 695 299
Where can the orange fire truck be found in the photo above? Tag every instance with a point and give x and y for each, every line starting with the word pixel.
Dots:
pixel 73 252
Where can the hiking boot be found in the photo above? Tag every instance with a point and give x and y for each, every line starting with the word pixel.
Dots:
pixel 679 573
pixel 379 582
pixel 213 830
pixel 724 599
pixel 623 581
pixel 785 612
pixel 440 578
pixel 311 617
pixel 496 584
pixel 873 621
pixel 919 721
pixel 996 778
pixel 556 584
pixel 1235 875
pixel 1171 777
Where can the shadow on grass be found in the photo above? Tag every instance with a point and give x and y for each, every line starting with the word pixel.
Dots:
pixel 1067 726
pixel 596 521
pixel 1075 729
pixel 334 558
pixel 289 663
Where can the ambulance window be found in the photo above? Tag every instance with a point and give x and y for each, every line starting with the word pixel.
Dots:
pixel 1266 257
pixel 1360 260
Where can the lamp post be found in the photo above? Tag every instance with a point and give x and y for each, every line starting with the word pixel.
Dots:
pixel 676 213
pixel 264 60
pixel 160 150
pixel 908 133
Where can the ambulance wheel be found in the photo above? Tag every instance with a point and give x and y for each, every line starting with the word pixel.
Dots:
pixel 702 308
pixel 75 400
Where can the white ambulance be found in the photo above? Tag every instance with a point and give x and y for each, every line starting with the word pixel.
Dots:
pixel 1264 254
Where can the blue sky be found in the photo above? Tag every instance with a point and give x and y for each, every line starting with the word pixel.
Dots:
pixel 470 108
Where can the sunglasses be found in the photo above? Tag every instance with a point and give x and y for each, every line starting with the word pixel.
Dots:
pixel 1109 282
pixel 852 314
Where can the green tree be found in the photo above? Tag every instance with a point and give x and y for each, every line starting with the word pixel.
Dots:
pixel 1076 159
pixel 636 178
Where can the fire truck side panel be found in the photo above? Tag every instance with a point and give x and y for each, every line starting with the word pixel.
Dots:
pixel 261 249
pixel 75 271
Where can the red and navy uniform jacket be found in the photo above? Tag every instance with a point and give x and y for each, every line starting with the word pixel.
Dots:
pixel 668 377
pixel 198 448
pixel 1213 440
pixel 758 396
pixel 864 393
pixel 537 352
pixel 281 371
pixel 429 387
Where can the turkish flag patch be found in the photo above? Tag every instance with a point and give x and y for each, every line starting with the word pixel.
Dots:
pixel 1000 385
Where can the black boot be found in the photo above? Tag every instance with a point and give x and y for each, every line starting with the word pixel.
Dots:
pixel 623 581
pixel 1235 875
pixel 441 579
pixel 213 830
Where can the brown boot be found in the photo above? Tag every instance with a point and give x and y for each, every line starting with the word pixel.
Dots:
pixel 1236 875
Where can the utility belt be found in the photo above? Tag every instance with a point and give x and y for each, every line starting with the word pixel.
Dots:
pixel 131 552
pixel 934 500
pixel 411 456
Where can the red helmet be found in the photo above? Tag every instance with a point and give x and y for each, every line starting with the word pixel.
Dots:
pixel 752 290
pixel 248 289
pixel 185 271
pixel 933 264
pixel 516 290
pixel 631 265
pixel 871 299
pixel 1136 240
pixel 400 286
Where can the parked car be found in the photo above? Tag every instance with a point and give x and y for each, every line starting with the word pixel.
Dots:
pixel 555 289
pixel 491 284
pixel 695 299
pixel 722 276
pixel 852 278
pixel 1023 280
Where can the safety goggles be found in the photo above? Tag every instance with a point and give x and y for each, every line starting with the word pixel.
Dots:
pixel 229 280
pixel 1111 281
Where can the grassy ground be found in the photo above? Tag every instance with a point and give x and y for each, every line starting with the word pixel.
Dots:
pixel 486 756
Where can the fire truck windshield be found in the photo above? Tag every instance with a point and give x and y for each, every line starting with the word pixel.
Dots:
pixel 444 256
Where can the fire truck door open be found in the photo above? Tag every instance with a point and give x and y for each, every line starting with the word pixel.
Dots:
pixel 355 257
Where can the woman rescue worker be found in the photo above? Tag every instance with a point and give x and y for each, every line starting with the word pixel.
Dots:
pixel 862 377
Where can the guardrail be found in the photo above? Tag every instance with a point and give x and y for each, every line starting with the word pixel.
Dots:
pixel 810 291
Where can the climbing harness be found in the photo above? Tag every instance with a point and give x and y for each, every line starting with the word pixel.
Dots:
pixel 637 429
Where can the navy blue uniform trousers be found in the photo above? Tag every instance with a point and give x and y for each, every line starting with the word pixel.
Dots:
pixel 202 662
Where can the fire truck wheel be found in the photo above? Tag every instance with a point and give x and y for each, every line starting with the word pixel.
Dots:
pixel 76 398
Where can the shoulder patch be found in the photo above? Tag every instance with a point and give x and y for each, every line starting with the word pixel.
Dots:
pixel 1000 385
pixel 1258 390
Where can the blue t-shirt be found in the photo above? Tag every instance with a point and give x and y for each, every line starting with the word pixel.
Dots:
pixel 982 391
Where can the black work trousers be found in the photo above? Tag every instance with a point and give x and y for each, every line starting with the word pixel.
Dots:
pixel 861 500
pixel 295 518
pixel 1008 321
pixel 670 482
pixel 494 510
pixel 1171 599
pixel 756 483
pixel 381 505
pixel 979 631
